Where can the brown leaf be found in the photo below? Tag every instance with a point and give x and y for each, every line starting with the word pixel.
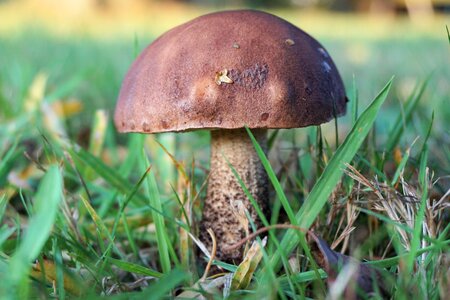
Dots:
pixel 72 282
pixel 365 280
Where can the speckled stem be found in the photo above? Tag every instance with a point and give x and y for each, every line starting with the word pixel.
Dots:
pixel 220 212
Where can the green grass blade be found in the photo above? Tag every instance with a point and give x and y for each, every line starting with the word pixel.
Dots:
pixel 67 87
pixel 391 222
pixel 161 232
pixel 134 268
pixel 135 190
pixel 386 219
pixel 135 145
pixel 5 233
pixel 165 160
pixel 284 201
pixel 272 235
pixel 121 213
pixel 448 34
pixel 6 109
pixel 58 261
pixel 403 119
pixel 301 277
pixel 420 216
pixel 272 138
pixel 247 193
pixel 3 203
pixel 273 178
pixel 392 261
pixel 184 216
pixel 401 167
pixel 158 289
pixel 130 238
pixel 368 164
pixel 428 134
pixel 136 46
pixel 7 161
pixel 318 196
pixel 101 227
pixel 109 174
pixel 354 102
pixel 39 227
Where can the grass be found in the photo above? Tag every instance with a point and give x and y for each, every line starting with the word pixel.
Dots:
pixel 86 212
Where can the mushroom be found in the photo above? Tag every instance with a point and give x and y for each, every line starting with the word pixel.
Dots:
pixel 224 71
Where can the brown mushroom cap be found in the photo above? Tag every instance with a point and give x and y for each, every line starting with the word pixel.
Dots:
pixel 228 70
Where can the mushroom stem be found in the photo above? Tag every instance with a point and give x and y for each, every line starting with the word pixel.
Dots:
pixel 223 212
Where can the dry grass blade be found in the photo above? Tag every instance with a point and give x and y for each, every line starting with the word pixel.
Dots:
pixel 401 206
pixel 343 236
pixel 179 166
pixel 213 254
pixel 200 245
pixel 351 214
pixel 356 175
pixel 262 230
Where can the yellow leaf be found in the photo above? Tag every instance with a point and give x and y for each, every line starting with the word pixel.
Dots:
pixel 397 155
pixel 98 132
pixel 7 192
pixel 52 122
pixel 66 109
pixel 21 179
pixel 36 92
pixel 72 283
pixel 244 273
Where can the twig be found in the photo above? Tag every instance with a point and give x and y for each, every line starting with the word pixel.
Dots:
pixel 213 254
pixel 261 230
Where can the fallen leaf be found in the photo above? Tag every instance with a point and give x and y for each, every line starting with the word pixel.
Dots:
pixel 201 287
pixel 52 122
pixel 72 283
pixel 36 92
pixel 65 109
pixel 244 273
pixel 98 132
pixel 362 278
pixel 398 155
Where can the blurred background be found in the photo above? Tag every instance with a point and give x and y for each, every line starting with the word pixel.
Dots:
pixel 73 55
